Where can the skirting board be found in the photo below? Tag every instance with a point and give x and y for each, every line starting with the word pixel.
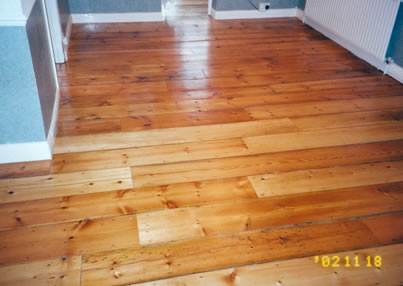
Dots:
pixel 117 17
pixel 395 71
pixel 301 15
pixel 24 152
pixel 253 14
pixel 53 124
pixel 358 51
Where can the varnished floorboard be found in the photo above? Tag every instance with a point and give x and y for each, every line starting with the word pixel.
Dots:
pixel 203 152
pixel 303 271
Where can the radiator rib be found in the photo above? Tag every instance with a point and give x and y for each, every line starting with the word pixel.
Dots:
pixel 364 24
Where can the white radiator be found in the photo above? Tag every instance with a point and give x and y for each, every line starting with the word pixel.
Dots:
pixel 362 26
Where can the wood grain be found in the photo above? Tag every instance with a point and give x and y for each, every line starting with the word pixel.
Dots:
pixel 109 95
pixel 386 231
pixel 324 138
pixel 122 202
pixel 324 107
pixel 55 272
pixel 280 184
pixel 13 190
pixel 266 163
pixel 135 265
pixel 162 123
pixel 181 152
pixel 94 126
pixel 67 239
pixel 184 119
pixel 93 160
pixel 25 169
pixel 170 136
pixel 236 216
pixel 139 156
pixel 303 271
pixel 330 84
pixel 348 119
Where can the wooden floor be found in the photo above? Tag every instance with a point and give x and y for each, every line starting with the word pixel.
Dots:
pixel 203 152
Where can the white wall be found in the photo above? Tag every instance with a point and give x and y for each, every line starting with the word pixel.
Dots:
pixel 14 12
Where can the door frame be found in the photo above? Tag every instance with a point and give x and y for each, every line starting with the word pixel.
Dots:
pixel 210 6
pixel 56 33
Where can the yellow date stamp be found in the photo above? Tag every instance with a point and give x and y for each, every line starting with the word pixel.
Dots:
pixel 348 261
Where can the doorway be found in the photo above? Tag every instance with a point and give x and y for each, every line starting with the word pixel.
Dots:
pixel 187 8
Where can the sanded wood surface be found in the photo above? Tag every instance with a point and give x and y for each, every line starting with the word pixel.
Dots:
pixel 324 138
pixel 193 145
pixel 328 84
pixel 266 163
pixel 347 119
pixel 150 155
pixel 305 271
pixel 231 217
pixel 122 202
pixel 25 169
pixel 387 228
pixel 324 107
pixel 162 261
pixel 50 186
pixel 279 184
pixel 55 272
pixel 119 94
pixel 67 239
pixel 181 152
pixel 170 135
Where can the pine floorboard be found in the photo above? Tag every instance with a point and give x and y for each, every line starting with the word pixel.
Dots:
pixel 305 271
pixel 203 152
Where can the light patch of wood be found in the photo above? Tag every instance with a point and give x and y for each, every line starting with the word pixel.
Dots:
pixel 58 185
pixel 231 217
pixel 170 135
pixel 185 257
pixel 54 272
pixel 278 184
pixel 324 138
pixel 122 202
pixel 304 271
